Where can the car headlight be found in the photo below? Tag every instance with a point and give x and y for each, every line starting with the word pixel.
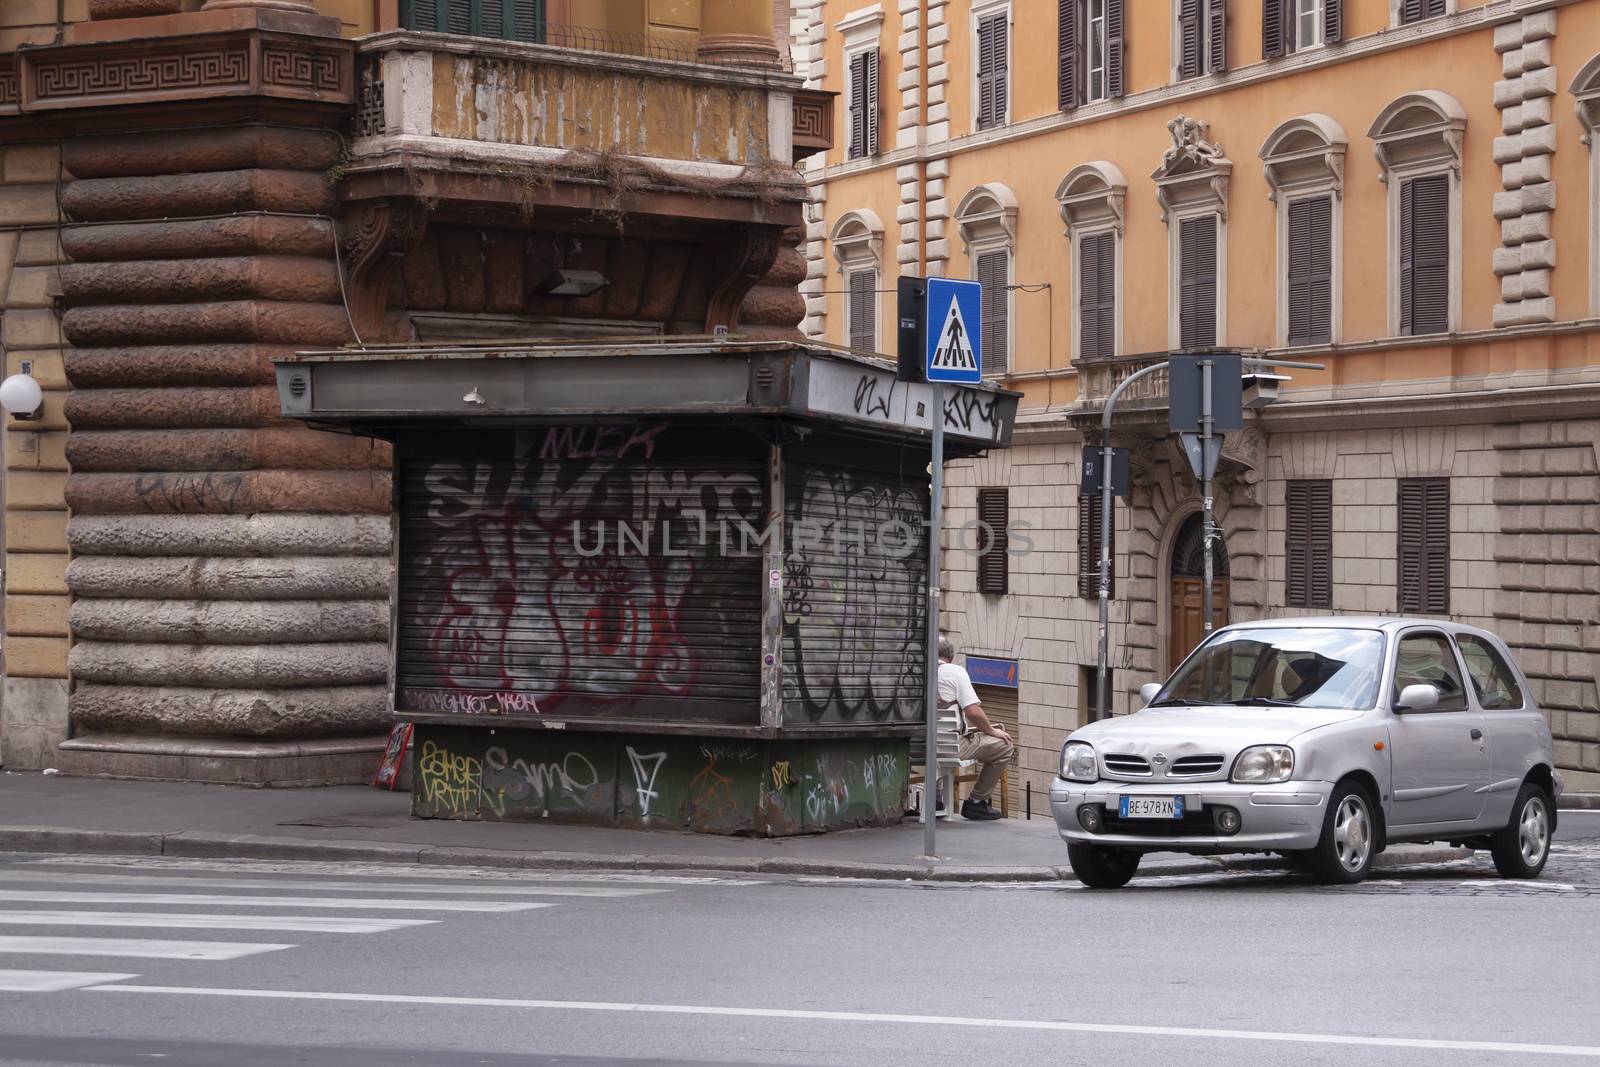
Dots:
pixel 1264 764
pixel 1078 763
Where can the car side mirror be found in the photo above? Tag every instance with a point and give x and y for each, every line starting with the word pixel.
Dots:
pixel 1148 691
pixel 1417 698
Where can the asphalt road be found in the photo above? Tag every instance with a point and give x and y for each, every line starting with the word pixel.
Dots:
pixel 190 962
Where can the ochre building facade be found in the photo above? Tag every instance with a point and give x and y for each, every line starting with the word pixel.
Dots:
pixel 1404 192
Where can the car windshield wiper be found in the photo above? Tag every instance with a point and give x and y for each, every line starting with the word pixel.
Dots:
pixel 1180 702
pixel 1262 702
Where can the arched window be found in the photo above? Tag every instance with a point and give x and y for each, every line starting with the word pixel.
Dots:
pixel 1092 196
pixel 1586 94
pixel 1304 161
pixel 987 217
pixel 1418 139
pixel 857 240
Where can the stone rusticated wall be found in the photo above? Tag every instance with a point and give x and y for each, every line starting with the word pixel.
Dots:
pixel 1525 209
pixel 230 570
pixel 33 713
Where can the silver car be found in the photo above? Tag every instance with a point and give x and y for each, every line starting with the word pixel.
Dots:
pixel 1322 739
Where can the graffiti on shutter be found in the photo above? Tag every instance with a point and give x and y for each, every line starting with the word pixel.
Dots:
pixel 590 579
pixel 854 578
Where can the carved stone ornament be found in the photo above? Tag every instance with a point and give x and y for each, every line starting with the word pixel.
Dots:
pixel 741 264
pixel 377 237
pixel 1194 171
pixel 1245 447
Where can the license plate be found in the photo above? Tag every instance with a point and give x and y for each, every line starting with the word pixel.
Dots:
pixel 1151 808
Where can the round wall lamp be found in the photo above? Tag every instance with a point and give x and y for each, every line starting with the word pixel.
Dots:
pixel 21 396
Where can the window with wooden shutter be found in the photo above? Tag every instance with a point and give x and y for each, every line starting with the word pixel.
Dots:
pixel 863 288
pixel 1332 21
pixel 1090 511
pixel 1202 37
pixel 1310 271
pixel 993 271
pixel 1197 281
pixel 993 50
pixel 1425 255
pixel 515 20
pixel 994 516
pixel 1275 23
pixel 1097 296
pixel 863 104
pixel 1115 38
pixel 1069 54
pixel 1417 10
pixel 1424 542
pixel 1308 545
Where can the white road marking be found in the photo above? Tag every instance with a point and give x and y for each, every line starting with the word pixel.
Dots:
pixel 875 1017
pixel 137 948
pixel 281 883
pixel 386 870
pixel 55 981
pixel 1514 883
pixel 314 924
pixel 239 901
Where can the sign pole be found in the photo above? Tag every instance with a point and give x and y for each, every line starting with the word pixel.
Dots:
pixel 1206 419
pixel 930 772
pixel 1102 690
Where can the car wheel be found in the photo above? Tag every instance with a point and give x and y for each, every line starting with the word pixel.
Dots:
pixel 1102 867
pixel 1344 851
pixel 1522 847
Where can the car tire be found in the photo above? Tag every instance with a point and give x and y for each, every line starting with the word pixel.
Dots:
pixel 1349 838
pixel 1522 847
pixel 1102 867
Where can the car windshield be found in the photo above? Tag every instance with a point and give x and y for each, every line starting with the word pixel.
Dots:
pixel 1305 667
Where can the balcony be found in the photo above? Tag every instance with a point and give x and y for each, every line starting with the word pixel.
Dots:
pixel 457 120
pixel 1144 403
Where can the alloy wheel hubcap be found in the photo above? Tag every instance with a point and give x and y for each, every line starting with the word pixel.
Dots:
pixel 1352 833
pixel 1533 831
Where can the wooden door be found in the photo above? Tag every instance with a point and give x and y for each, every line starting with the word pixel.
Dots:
pixel 1188 614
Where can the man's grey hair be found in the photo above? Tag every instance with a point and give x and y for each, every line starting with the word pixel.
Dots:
pixel 947 648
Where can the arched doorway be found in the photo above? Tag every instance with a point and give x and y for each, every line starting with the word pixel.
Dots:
pixel 1188 588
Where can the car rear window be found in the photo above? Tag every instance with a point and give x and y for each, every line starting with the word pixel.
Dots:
pixel 1492 676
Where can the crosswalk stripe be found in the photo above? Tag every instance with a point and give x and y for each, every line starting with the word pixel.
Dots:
pixel 442 875
pixel 313 924
pixel 54 981
pixel 242 901
pixel 137 948
pixel 289 883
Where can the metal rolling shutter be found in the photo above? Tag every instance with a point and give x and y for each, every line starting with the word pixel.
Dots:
pixel 579 585
pixel 853 588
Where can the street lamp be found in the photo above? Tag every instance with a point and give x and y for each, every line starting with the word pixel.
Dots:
pixel 1259 383
pixel 21 396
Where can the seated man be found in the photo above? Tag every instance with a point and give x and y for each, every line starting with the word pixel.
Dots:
pixel 981 739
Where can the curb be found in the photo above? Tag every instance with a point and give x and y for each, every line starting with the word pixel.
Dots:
pixel 1579 802
pixel 225 846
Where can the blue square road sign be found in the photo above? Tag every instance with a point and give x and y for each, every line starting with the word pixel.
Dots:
pixel 954 338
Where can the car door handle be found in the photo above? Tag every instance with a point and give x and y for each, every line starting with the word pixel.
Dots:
pixel 1477 734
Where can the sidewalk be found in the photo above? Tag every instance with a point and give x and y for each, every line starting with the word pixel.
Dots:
pixel 356 823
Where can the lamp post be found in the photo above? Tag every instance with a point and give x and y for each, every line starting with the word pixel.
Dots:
pixel 1265 392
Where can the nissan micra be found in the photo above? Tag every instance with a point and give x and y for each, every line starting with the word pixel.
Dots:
pixel 1322 739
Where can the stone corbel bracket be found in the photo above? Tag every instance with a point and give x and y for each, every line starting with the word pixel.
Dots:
pixel 377 236
pixel 746 258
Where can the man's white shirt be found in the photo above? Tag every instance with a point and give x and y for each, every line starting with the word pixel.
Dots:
pixel 955 690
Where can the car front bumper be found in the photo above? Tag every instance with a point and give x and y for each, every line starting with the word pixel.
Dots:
pixel 1273 818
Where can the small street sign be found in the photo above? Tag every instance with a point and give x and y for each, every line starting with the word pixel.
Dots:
pixel 954 348
pixel 1203 454
pixel 911 314
pixel 1093 460
pixel 1185 388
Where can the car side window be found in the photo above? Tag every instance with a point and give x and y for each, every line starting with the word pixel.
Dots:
pixel 1492 677
pixel 1428 659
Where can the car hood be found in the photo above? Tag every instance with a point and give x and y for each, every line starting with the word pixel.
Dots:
pixel 1213 729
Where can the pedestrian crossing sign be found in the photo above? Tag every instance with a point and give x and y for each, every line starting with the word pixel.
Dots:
pixel 954 347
